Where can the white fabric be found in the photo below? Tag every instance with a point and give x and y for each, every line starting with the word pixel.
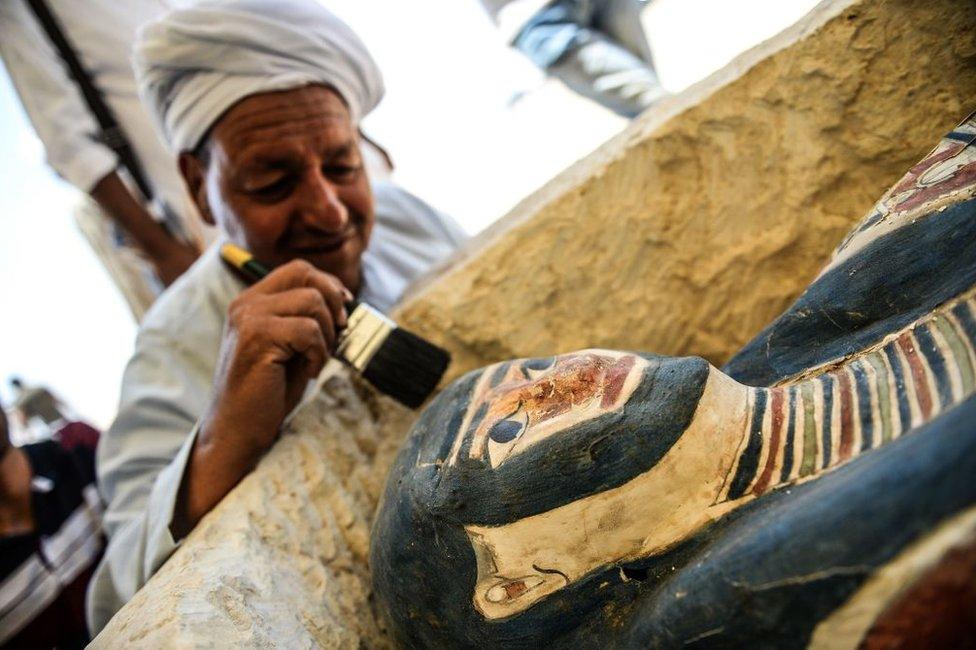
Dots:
pixel 167 384
pixel 101 32
pixel 123 261
pixel 195 63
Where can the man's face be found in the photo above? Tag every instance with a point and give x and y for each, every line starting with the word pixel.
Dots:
pixel 285 179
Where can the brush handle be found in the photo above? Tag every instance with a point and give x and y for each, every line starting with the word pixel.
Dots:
pixel 243 262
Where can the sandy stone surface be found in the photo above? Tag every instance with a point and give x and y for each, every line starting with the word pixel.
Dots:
pixel 686 234
pixel 281 562
pixel 704 220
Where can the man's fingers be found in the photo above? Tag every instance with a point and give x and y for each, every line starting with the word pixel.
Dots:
pixel 299 273
pixel 305 301
pixel 301 335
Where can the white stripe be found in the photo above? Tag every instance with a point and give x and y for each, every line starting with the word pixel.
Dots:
pixel 799 432
pixel 18 582
pixel 834 416
pixel 819 422
pixel 32 603
pixel 875 397
pixel 77 527
pixel 857 433
pixel 90 494
pixel 80 559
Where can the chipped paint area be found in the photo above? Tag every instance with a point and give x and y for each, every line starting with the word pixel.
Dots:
pixel 521 403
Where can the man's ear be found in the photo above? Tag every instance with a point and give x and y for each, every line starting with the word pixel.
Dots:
pixel 194 173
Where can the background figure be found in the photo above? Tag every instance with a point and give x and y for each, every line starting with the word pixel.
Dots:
pixel 37 403
pixel 144 238
pixel 596 47
pixel 50 537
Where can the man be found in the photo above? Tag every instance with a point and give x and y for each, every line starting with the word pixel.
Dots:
pixel 596 47
pixel 50 537
pixel 100 32
pixel 262 99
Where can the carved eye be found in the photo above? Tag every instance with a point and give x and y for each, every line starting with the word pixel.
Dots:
pixel 535 367
pixel 539 364
pixel 505 431
pixel 503 435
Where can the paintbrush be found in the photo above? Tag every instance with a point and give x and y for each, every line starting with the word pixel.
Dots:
pixel 397 362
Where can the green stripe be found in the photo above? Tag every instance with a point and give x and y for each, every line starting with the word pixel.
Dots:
pixel 959 351
pixel 809 430
pixel 884 397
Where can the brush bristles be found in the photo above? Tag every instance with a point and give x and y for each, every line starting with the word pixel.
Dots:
pixel 407 368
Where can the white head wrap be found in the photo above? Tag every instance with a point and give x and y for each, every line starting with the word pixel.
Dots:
pixel 195 63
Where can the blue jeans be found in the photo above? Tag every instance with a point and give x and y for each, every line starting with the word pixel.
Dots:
pixel 597 48
pixel 565 24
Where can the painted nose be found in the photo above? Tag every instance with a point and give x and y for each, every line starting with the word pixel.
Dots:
pixel 320 205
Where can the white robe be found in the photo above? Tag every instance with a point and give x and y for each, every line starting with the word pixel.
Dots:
pixel 168 381
pixel 101 33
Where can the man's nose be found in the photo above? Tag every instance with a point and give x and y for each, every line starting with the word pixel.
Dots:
pixel 320 205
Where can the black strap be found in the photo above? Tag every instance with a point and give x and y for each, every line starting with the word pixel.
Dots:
pixel 111 133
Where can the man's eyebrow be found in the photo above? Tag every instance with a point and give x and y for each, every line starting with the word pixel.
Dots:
pixel 277 158
pixel 340 151
pixel 265 161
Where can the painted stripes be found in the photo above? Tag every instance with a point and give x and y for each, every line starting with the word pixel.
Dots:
pixel 797 431
pixel 749 459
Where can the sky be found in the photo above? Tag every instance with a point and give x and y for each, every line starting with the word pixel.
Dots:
pixel 472 126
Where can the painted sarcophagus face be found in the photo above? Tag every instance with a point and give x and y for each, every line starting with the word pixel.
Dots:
pixel 799 496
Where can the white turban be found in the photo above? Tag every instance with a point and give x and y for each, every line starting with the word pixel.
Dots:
pixel 195 63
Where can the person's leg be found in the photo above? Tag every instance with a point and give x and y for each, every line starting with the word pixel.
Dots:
pixel 621 21
pixel 561 39
pixel 609 74
pixel 550 33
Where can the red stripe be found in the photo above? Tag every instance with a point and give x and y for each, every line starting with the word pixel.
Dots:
pixel 846 420
pixel 777 415
pixel 918 375
pixel 615 378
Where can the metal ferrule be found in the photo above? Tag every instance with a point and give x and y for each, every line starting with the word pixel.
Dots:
pixel 365 333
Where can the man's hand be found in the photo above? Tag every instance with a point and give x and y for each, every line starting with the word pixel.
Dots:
pixel 279 335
